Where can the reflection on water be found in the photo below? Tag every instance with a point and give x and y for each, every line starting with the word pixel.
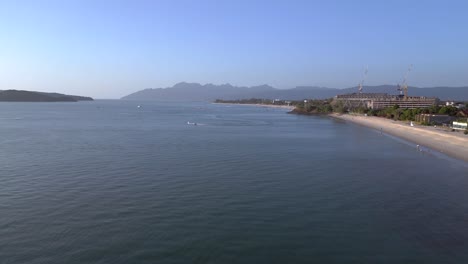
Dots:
pixel 108 182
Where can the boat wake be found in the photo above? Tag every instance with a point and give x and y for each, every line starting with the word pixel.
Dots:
pixel 194 124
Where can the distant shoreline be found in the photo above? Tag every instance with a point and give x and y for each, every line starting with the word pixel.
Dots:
pixel 454 144
pixel 262 105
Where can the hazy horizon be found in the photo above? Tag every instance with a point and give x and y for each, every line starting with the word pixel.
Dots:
pixel 108 49
pixel 235 86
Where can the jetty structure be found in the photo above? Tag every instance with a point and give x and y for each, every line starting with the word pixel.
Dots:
pixel 383 100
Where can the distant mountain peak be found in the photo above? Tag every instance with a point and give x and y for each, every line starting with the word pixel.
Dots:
pixel 184 85
pixel 185 91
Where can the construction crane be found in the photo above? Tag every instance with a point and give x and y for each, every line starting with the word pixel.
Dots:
pixel 403 88
pixel 362 80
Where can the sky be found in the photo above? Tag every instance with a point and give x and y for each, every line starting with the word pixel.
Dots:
pixel 108 49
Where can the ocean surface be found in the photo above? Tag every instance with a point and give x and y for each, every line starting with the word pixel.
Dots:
pixel 108 182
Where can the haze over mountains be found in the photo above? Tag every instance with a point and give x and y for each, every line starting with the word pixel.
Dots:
pixel 196 92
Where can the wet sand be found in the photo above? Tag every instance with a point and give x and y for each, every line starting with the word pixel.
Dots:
pixel 454 144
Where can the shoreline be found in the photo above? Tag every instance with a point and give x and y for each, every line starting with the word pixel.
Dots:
pixel 453 144
pixel 261 105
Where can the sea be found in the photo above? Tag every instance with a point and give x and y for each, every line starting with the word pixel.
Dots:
pixel 115 181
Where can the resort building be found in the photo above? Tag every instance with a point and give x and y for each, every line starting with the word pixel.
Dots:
pixel 383 100
pixel 459 105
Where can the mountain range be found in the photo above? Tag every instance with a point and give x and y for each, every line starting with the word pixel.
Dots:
pixel 197 92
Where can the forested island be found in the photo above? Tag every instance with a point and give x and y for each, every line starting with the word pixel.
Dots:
pixel 30 96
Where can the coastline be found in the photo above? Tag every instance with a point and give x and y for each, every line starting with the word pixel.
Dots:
pixel 454 144
pixel 262 105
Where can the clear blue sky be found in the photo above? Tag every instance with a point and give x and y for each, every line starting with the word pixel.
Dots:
pixel 108 49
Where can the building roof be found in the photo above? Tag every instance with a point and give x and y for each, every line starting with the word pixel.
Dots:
pixel 463 112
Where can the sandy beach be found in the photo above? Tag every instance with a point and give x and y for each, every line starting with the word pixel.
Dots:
pixel 454 144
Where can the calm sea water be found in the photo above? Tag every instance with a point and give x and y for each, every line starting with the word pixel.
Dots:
pixel 107 182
